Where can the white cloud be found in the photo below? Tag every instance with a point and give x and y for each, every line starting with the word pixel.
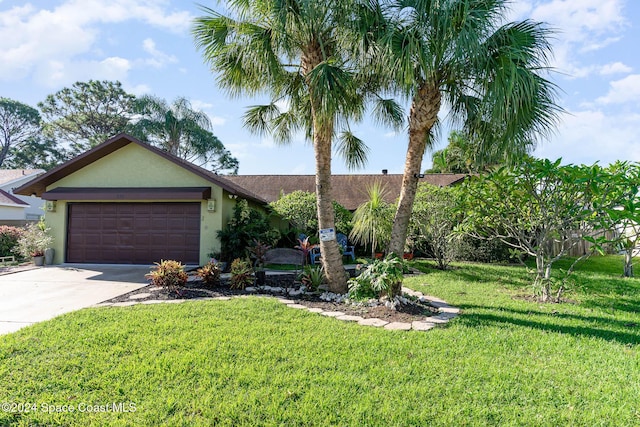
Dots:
pixel 58 73
pixel 623 91
pixel 158 58
pixel 31 39
pixel 592 135
pixel 614 68
pixel 581 26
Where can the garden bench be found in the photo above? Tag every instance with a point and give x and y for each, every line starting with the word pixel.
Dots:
pixel 283 256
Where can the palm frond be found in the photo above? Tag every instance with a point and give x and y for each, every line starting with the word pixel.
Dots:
pixel 353 150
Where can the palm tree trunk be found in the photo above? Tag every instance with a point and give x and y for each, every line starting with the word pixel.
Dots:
pixel 331 257
pixel 322 138
pixel 422 117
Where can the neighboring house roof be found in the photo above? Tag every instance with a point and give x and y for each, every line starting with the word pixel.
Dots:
pixel 348 190
pixel 7 199
pixel 9 175
pixel 39 184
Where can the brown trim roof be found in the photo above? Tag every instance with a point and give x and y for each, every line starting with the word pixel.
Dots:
pixel 137 193
pixel 348 190
pixel 10 199
pixel 39 184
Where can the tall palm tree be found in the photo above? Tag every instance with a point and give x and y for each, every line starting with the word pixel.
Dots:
pixel 490 76
pixel 300 53
pixel 182 131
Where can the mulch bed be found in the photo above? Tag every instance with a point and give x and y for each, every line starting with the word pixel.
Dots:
pixel 416 311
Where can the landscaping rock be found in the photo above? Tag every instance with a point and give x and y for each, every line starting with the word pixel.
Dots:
pixel 140 296
pixel 350 318
pixel 422 326
pixel 332 313
pixel 378 323
pixel 398 326
pixel 298 306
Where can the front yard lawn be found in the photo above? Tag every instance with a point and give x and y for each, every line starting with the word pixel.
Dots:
pixel 253 361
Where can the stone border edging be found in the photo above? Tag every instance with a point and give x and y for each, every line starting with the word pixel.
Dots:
pixel 446 312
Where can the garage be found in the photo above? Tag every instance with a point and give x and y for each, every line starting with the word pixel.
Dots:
pixel 127 202
pixel 133 233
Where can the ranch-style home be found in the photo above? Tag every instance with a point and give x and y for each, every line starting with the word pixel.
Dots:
pixel 127 202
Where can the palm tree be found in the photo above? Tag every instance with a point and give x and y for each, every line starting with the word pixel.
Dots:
pixel 456 53
pixel 300 53
pixel 182 131
pixel 372 220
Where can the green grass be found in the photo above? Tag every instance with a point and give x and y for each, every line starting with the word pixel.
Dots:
pixel 252 361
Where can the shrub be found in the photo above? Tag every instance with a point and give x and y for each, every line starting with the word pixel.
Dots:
pixel 299 208
pixel 377 279
pixel 469 249
pixel 9 237
pixel 312 277
pixel 241 274
pixel 34 240
pixel 168 274
pixel 245 226
pixel 210 274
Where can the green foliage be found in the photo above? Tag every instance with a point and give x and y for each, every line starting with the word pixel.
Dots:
pixel 246 226
pixel 300 209
pixel 312 277
pixel 182 131
pixel 37 153
pixel 378 278
pixel 543 209
pixel 9 237
pixel 434 217
pixel 467 248
pixel 34 240
pixel 372 220
pixel 168 274
pixel 209 274
pixel 466 154
pixel 19 124
pixel 87 113
pixel 241 274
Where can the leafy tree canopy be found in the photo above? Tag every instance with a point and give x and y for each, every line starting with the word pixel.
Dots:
pixel 20 125
pixel 182 131
pixel 87 113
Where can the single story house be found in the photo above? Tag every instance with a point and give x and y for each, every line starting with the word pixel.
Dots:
pixel 348 190
pixel 127 202
pixel 18 209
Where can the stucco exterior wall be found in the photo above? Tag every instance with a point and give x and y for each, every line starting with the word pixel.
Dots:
pixel 134 166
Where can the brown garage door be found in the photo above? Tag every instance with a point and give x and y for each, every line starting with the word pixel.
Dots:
pixel 133 233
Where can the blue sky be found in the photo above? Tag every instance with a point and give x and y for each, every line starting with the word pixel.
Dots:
pixel 146 44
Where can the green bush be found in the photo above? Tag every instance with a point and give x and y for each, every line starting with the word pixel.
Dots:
pixel 377 279
pixel 168 274
pixel 9 237
pixel 246 226
pixel 241 274
pixel 477 250
pixel 312 277
pixel 299 208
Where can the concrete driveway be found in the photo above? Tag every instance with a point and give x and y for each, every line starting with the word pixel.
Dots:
pixel 40 294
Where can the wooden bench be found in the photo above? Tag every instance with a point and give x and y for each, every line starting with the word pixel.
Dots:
pixel 285 256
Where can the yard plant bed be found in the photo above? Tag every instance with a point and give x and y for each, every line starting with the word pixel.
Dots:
pixel 195 289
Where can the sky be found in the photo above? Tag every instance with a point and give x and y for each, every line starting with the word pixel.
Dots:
pixel 147 45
